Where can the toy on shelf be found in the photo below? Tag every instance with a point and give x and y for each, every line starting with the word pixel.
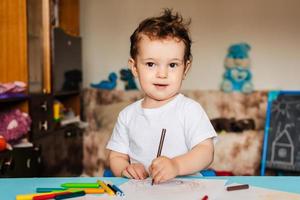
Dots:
pixel 58 109
pixel 2 143
pixel 109 84
pixel 12 89
pixel 128 78
pixel 14 125
pixel 237 76
pixel 72 81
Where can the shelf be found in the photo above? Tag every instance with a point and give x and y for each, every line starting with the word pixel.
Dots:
pixel 66 93
pixel 13 98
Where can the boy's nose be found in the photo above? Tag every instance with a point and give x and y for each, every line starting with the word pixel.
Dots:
pixel 162 72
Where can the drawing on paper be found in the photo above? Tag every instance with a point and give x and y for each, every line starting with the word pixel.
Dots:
pixel 183 185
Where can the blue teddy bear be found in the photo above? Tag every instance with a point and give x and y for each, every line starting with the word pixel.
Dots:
pixel 237 76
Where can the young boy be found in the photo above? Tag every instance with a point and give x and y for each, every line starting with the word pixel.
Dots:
pixel 160 59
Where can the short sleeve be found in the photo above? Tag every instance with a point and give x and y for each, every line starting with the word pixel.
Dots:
pixel 119 139
pixel 197 125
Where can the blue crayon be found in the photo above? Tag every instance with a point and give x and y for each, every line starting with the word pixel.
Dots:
pixel 119 191
pixel 43 190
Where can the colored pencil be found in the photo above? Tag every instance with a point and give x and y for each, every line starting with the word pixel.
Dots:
pixel 28 196
pixel 161 143
pixel 110 186
pixel 237 187
pixel 38 195
pixel 49 196
pixel 70 195
pixel 119 191
pixel 106 188
pixel 205 197
pixel 87 190
pixel 42 190
pixel 80 185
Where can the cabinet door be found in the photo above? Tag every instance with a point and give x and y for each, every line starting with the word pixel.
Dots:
pixel 74 140
pixel 20 162
pixel 13 41
pixel 52 147
pixel 61 152
pixel 69 16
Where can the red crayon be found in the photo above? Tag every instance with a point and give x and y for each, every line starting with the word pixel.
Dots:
pixel 205 197
pixel 48 196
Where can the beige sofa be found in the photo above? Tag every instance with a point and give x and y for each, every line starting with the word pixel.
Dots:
pixel 238 153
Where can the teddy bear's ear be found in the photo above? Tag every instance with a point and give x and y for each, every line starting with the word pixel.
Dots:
pixel 246 46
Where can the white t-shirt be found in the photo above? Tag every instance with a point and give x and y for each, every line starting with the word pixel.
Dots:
pixel 138 130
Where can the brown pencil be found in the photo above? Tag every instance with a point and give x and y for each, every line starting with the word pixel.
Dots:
pixel 237 187
pixel 161 143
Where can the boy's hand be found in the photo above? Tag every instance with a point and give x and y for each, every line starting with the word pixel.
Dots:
pixel 163 169
pixel 135 171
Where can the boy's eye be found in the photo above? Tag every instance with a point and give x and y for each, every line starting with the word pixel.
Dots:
pixel 173 65
pixel 150 64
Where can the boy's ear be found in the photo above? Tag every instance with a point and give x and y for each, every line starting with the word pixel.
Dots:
pixel 187 68
pixel 132 66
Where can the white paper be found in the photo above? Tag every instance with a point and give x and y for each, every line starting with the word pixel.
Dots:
pixel 190 189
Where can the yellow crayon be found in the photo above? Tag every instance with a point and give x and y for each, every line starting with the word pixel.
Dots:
pixel 29 196
pixel 106 188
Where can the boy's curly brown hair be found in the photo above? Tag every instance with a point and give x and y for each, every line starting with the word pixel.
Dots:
pixel 166 25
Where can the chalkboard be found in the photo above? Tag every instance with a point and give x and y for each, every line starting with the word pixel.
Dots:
pixel 282 132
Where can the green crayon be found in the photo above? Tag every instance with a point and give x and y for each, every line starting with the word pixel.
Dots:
pixel 80 185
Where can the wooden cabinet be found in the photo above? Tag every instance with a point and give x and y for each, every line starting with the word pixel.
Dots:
pixel 25 41
pixel 26 54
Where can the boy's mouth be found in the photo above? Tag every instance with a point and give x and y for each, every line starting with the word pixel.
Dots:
pixel 160 86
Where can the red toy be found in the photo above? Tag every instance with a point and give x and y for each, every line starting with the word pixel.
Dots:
pixel 2 143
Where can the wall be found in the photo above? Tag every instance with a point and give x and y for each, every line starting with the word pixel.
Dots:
pixel 271 27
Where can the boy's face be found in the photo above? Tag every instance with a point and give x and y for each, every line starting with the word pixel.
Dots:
pixel 160 67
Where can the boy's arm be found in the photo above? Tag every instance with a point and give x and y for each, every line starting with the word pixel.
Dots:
pixel 200 157
pixel 120 166
pixel 118 162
